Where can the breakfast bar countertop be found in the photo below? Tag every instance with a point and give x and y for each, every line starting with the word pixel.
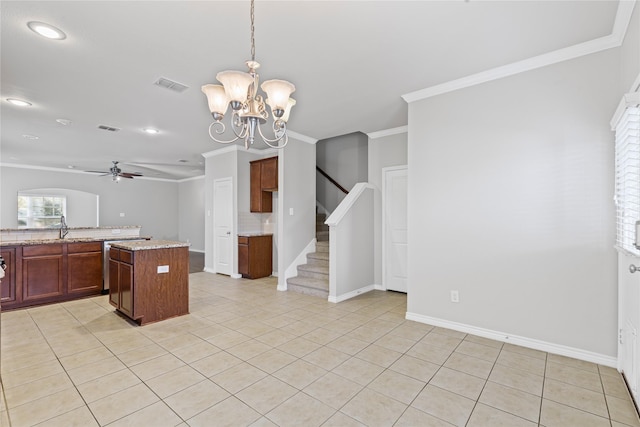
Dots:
pixel 149 244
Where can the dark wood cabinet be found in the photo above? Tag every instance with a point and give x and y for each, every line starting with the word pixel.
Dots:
pixel 84 268
pixel 121 281
pixel 269 174
pixel 263 181
pixel 8 286
pixel 255 256
pixel 149 285
pixel 42 273
pixel 50 272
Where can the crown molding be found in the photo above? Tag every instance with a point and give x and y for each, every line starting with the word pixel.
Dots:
pixel 388 132
pixel 49 169
pixel 615 39
pixel 301 137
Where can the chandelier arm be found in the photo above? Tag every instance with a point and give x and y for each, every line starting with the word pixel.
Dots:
pixel 270 142
pixel 220 131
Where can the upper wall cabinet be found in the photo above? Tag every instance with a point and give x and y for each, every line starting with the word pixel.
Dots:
pixel 264 180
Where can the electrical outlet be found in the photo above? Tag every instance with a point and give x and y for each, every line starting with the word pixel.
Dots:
pixel 455 297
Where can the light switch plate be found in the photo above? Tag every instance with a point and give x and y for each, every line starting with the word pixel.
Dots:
pixel 163 269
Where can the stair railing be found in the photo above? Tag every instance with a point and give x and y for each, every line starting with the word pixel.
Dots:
pixel 331 180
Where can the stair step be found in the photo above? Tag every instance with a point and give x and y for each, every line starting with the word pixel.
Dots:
pixel 315 271
pixel 322 246
pixel 317 257
pixel 309 286
pixel 322 236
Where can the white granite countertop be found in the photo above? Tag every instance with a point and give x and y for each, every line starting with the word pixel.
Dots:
pixel 32 242
pixel 149 244
pixel 253 233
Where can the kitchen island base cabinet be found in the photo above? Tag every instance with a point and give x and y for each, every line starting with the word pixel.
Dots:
pixel 149 285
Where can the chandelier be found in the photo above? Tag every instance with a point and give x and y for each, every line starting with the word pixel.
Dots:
pixel 239 90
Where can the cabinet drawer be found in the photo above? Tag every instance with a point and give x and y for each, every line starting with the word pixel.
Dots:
pixel 40 250
pixel 126 256
pixel 74 248
pixel 243 240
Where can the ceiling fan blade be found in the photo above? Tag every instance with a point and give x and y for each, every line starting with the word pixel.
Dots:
pixel 129 175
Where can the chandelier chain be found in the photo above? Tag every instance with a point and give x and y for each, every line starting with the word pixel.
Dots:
pixel 253 41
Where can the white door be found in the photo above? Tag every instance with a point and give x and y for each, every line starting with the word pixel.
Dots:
pixel 629 320
pixel 223 225
pixel 394 226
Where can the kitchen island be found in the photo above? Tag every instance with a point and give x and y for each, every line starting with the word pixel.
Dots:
pixel 149 280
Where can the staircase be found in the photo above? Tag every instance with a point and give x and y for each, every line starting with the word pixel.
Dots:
pixel 313 277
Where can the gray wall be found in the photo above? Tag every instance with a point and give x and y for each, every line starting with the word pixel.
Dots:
pixel 191 212
pixel 152 204
pixel 297 163
pixel 384 152
pixel 344 158
pixel 510 203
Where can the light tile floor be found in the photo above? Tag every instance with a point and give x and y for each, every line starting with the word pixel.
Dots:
pixel 250 355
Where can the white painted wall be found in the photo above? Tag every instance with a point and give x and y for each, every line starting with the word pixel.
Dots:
pixel 510 203
pixel 191 212
pixel 344 158
pixel 152 204
pixel 297 184
pixel 385 151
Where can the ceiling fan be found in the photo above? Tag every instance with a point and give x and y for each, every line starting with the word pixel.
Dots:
pixel 117 173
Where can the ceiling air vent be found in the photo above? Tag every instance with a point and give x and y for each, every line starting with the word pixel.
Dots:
pixel 109 128
pixel 171 85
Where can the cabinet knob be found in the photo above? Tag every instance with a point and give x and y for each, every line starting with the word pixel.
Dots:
pixel 633 268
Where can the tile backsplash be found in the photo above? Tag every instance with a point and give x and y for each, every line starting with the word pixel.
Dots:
pixel 249 222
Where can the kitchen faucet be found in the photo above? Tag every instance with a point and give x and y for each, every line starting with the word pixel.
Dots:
pixel 64 230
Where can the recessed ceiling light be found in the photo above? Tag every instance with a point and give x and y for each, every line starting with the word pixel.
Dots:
pixel 46 30
pixel 30 136
pixel 64 122
pixel 151 130
pixel 19 102
pixel 71 167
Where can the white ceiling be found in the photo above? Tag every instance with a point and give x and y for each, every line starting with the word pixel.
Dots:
pixel 351 62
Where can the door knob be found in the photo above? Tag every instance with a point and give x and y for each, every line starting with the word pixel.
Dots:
pixel 633 268
pixel 228 233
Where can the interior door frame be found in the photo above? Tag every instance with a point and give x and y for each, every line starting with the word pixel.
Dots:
pixel 383 223
pixel 232 257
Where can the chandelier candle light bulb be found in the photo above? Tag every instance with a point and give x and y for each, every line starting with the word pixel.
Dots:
pixel 240 91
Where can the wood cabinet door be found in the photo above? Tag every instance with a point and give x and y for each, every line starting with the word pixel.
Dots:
pixel 126 289
pixel 269 174
pixel 243 259
pixel 42 277
pixel 255 189
pixel 114 283
pixel 8 287
pixel 84 272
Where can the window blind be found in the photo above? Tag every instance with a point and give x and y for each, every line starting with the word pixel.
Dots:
pixel 627 179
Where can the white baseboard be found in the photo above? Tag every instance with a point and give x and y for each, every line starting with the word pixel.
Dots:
pixel 562 350
pixel 274 273
pixel 209 270
pixel 200 251
pixel 348 295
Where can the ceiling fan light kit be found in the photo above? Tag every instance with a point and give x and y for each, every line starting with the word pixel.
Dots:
pixel 116 173
pixel 239 90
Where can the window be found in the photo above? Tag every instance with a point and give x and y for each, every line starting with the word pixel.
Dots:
pixel 35 211
pixel 627 179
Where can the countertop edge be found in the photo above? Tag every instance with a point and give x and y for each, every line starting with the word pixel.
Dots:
pixel 33 242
